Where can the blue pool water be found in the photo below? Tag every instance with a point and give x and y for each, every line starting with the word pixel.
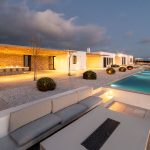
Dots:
pixel 139 82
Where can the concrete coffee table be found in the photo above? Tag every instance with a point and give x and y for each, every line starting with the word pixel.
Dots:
pixel 131 134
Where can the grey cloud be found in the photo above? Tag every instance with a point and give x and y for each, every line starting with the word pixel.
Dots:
pixel 47 1
pixel 145 40
pixel 19 23
pixel 43 1
pixel 129 34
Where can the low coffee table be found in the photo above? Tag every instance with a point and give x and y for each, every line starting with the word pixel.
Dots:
pixel 130 133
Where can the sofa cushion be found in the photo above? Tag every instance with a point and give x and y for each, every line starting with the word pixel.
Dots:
pixel 84 93
pixel 71 112
pixel 64 100
pixel 33 129
pixel 91 101
pixel 6 143
pixel 29 113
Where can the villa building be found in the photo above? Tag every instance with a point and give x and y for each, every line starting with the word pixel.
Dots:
pixel 123 59
pixel 46 59
pixel 100 59
pixel 13 57
pixel 130 60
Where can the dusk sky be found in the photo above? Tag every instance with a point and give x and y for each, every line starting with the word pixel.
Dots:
pixel 111 25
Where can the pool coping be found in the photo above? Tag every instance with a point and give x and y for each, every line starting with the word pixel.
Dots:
pixel 129 91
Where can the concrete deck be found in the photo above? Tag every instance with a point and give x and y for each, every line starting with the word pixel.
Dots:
pixel 19 89
pixel 131 134
pixel 130 110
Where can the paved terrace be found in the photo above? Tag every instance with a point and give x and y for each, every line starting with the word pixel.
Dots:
pixel 19 89
pixel 130 110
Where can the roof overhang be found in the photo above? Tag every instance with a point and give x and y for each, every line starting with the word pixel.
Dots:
pixel 92 54
pixel 24 50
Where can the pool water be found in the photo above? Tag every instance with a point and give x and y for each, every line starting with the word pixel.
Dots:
pixel 139 82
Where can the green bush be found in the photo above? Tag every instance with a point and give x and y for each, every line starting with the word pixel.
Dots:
pixel 110 71
pixel 129 67
pixel 45 84
pixel 90 75
pixel 122 69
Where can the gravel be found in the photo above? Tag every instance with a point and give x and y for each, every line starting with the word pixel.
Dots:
pixel 24 93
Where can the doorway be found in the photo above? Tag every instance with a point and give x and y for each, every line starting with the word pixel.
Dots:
pixel 51 63
pixel 27 61
pixel 104 62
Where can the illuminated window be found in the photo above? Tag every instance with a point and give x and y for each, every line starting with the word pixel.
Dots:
pixel 74 59
pixel 27 61
pixel 123 60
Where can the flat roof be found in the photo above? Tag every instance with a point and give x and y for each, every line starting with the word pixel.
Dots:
pixel 26 50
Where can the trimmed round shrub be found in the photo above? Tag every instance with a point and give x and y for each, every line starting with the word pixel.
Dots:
pixel 122 69
pixel 45 84
pixel 129 67
pixel 110 71
pixel 89 75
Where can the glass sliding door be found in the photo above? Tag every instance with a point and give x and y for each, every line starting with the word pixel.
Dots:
pixel 123 60
pixel 51 63
pixel 27 61
pixel 110 61
pixel 104 62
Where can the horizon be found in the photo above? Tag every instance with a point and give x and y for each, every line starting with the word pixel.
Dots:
pixel 120 26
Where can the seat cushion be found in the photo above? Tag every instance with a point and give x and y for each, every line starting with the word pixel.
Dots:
pixel 6 143
pixel 71 112
pixel 33 129
pixel 91 101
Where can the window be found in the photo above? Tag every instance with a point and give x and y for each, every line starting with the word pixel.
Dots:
pixel 27 61
pixel 123 60
pixel 74 59
pixel 131 60
pixel 110 61
pixel 107 61
pixel 104 62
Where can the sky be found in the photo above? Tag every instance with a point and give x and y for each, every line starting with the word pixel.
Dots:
pixel 108 25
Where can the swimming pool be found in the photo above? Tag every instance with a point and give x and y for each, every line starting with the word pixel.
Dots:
pixel 139 82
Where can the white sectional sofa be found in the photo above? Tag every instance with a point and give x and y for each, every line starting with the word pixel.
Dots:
pixel 33 123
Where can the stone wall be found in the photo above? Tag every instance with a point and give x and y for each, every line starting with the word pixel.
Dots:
pixel 11 60
pixel 42 63
pixel 7 60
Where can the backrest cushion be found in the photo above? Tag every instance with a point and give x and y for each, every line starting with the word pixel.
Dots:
pixel 64 100
pixel 84 93
pixel 29 113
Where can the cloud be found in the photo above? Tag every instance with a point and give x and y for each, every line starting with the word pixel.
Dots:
pixel 44 1
pixel 129 34
pixel 19 23
pixel 145 40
